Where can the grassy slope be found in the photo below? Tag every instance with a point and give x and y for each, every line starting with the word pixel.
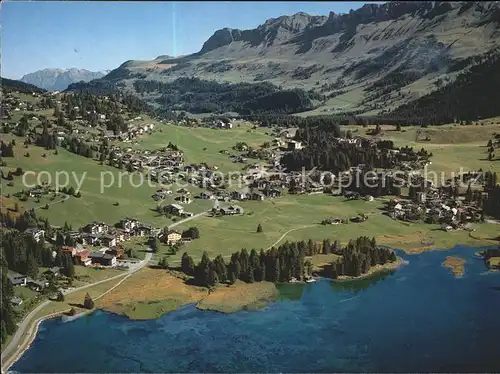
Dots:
pixel 229 234
pixel 192 142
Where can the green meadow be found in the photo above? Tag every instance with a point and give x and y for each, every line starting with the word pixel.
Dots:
pixel 295 218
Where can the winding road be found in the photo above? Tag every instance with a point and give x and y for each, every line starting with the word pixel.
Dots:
pixel 10 353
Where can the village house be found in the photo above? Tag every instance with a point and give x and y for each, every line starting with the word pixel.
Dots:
pixel 184 199
pixel 174 209
pixel 116 251
pixel 17 279
pixel 294 145
pixel 172 237
pixel 103 259
pixel 53 271
pixel 237 195
pixel 257 196
pixel 36 233
pixel 333 221
pixel 142 230
pixel 207 195
pixel 83 257
pixel 70 250
pixel 90 239
pixel 272 193
pixel 232 210
pixel 108 240
pixel 96 228
pixel 16 301
pixel 37 285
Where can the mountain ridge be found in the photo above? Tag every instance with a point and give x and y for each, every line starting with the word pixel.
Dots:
pixel 57 79
pixel 401 48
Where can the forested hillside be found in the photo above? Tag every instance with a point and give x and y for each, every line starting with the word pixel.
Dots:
pixel 11 85
pixel 473 95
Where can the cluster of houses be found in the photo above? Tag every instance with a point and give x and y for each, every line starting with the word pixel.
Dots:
pixel 23 280
pixel 433 206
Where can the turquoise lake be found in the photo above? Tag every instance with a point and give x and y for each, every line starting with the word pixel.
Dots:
pixel 416 319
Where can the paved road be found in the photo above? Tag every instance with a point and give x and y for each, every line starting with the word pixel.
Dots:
pixel 11 349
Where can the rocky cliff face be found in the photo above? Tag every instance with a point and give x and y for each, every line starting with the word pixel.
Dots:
pixel 60 79
pixel 372 58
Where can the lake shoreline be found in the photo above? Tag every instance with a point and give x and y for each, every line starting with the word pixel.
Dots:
pixel 32 332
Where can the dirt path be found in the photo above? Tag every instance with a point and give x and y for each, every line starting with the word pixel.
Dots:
pixel 66 197
pixel 286 233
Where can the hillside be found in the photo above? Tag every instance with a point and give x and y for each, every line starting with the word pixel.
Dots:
pixel 9 85
pixel 60 79
pixel 371 59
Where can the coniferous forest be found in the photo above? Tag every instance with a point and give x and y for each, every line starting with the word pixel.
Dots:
pixel 281 264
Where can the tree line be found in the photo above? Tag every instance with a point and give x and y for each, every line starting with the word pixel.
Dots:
pixel 326 153
pixel 285 262
pixel 195 95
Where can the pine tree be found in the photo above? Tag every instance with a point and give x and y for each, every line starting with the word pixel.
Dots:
pixel 187 264
pixel 88 303
pixel 31 266
pixel 259 228
pixel 468 194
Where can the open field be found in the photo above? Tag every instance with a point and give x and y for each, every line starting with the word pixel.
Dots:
pixel 304 213
pixel 155 292
pixel 150 293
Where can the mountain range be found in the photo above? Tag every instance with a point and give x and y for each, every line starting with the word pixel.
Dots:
pixel 60 79
pixel 369 60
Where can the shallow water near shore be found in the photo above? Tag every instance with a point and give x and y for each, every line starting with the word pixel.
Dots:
pixel 419 318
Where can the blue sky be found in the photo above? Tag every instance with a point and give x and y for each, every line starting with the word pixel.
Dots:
pixel 102 35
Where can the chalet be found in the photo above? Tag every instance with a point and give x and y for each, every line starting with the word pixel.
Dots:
pixel 53 271
pixel 421 197
pixel 116 251
pixel 232 210
pixel 70 250
pixel 36 233
pixel 37 285
pixel 174 209
pixel 142 230
pixel 108 240
pixel 294 145
pixel 207 195
pixel 104 259
pixel 257 196
pixel 96 228
pixel 83 258
pixel 183 199
pixel 237 195
pixel 37 192
pixel 272 193
pixel 90 239
pixel 172 237
pixel 17 279
pixel 350 195
pixel 16 301
pixel 128 224
pixel 333 221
